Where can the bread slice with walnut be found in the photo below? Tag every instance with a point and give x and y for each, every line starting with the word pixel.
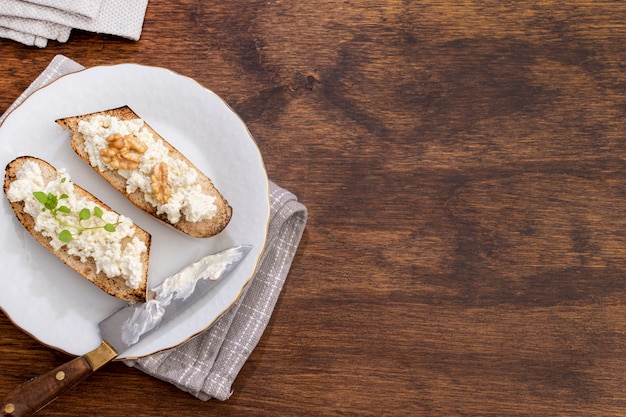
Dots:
pixel 148 170
pixel 58 207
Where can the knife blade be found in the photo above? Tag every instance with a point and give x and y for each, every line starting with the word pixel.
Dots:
pixel 125 328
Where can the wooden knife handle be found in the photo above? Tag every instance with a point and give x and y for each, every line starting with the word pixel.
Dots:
pixel 33 395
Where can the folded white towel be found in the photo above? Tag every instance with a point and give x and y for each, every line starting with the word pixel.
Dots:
pixel 40 28
pixel 88 8
pixel 25 38
pixel 28 21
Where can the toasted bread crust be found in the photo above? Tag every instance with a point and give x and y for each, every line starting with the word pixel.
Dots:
pixel 201 229
pixel 114 286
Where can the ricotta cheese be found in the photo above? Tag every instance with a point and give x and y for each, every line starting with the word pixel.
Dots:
pixel 187 198
pixel 110 254
pixel 149 315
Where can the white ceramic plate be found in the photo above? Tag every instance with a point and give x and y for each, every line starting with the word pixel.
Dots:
pixel 54 304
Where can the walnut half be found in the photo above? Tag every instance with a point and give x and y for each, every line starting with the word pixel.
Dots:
pixel 123 152
pixel 158 181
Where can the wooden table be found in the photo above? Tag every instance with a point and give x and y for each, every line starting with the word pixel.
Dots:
pixel 464 165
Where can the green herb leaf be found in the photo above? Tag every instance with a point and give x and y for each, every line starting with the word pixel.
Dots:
pixel 41 197
pixel 84 214
pixel 51 201
pixel 65 236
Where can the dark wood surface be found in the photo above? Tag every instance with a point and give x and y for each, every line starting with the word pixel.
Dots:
pixel 464 166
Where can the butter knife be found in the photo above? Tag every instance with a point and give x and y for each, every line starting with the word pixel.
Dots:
pixel 125 328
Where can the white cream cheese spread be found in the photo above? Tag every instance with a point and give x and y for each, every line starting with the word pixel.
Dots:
pixel 106 248
pixel 148 316
pixel 186 199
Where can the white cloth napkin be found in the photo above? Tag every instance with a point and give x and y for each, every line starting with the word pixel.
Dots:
pixel 206 366
pixel 87 8
pixel 34 22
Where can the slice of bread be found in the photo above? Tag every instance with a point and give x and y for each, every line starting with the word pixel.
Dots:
pixel 115 286
pixel 203 228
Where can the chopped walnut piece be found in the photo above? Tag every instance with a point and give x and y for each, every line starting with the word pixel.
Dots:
pixel 158 181
pixel 123 152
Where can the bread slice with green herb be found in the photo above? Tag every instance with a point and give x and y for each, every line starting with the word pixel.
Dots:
pixel 148 170
pixel 102 246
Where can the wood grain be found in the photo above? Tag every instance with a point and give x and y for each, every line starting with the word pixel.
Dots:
pixel 463 164
pixel 36 393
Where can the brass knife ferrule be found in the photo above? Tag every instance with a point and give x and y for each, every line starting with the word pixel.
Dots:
pixel 100 356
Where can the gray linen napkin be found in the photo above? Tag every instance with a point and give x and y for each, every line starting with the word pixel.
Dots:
pixel 34 22
pixel 206 366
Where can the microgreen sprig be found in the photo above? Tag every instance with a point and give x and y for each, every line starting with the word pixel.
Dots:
pixel 51 203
